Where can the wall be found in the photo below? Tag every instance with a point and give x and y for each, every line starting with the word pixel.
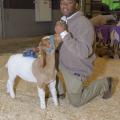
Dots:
pixel 56 15
pixel 21 23
pixel 19 19
pixel 0 19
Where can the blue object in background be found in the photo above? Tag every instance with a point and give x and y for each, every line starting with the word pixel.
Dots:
pixel 29 53
pixel 32 53
pixel 51 43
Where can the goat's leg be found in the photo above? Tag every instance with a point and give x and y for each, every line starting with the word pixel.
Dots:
pixel 116 46
pixel 53 92
pixel 41 94
pixel 10 84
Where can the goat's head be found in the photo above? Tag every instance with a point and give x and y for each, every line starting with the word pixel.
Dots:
pixel 49 43
pixel 46 46
pixel 63 24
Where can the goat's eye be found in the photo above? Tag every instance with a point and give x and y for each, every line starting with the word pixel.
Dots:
pixel 49 43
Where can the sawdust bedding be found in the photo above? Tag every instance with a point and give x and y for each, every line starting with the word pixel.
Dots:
pixel 26 104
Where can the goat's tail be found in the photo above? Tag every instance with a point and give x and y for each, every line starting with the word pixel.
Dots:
pixel 8 61
pixel 6 65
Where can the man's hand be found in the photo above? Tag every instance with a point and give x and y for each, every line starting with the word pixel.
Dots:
pixel 59 27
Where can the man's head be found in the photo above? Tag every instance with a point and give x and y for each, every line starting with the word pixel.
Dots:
pixel 68 7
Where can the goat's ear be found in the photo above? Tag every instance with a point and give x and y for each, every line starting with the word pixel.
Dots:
pixel 40 47
pixel 48 45
pixel 57 40
pixel 36 49
pixel 44 44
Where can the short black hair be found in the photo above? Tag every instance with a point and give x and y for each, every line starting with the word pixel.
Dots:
pixel 77 1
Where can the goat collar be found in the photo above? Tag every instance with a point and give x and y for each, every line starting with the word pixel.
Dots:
pixel 52 48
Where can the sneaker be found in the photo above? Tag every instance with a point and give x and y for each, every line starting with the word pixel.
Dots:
pixel 61 96
pixel 108 93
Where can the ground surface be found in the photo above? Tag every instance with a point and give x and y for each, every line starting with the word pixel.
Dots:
pixel 26 104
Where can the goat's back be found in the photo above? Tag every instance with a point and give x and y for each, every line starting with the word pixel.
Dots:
pixel 21 66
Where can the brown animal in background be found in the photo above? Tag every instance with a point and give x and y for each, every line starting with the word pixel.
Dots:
pixel 101 19
pixel 118 23
pixel 115 40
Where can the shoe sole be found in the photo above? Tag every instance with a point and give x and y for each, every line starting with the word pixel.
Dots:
pixel 108 93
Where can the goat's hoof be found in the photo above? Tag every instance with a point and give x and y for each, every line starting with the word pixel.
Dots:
pixel 12 96
pixel 116 57
pixel 43 107
pixel 56 104
pixel 8 91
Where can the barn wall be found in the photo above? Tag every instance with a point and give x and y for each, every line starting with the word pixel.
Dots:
pixel 56 15
pixel 21 23
pixel 19 19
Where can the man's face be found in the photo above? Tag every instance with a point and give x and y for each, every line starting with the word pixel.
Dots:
pixel 68 7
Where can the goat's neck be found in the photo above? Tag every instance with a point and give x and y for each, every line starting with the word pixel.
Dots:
pixel 50 59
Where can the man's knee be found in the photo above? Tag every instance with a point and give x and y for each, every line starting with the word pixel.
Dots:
pixel 74 99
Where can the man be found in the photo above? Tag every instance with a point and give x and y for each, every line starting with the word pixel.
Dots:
pixel 77 57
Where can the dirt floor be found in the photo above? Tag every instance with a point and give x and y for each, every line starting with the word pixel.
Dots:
pixel 26 104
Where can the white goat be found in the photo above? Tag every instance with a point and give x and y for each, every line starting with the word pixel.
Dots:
pixel 21 66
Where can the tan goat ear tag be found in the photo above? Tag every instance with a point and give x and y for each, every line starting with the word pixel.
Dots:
pixel 39 55
pixel 48 45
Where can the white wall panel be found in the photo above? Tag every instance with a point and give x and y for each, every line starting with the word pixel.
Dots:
pixel 0 18
pixel 43 10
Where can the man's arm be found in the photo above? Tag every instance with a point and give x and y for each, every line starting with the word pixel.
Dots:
pixel 81 43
